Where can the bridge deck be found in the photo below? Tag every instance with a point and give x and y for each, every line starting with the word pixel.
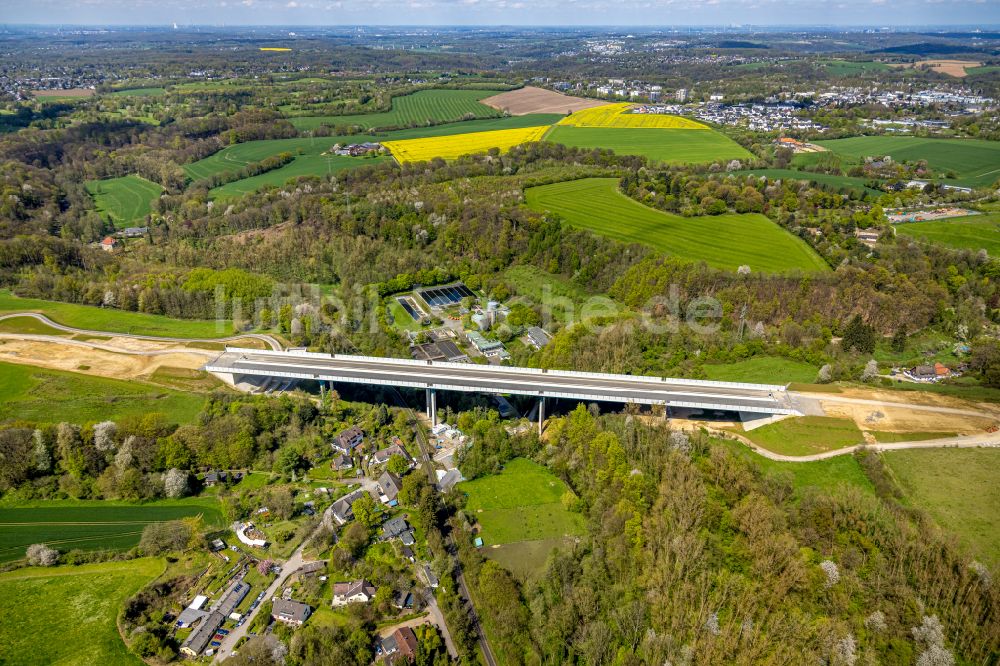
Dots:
pixel 758 398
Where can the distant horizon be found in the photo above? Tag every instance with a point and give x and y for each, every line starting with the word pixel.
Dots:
pixel 626 14
pixel 942 27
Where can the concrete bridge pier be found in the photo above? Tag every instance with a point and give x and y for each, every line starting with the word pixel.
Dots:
pixel 541 415
pixel 431 400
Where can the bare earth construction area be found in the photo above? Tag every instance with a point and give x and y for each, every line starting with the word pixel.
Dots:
pixel 536 100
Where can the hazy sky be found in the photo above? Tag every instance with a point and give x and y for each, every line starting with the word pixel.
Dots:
pixel 503 12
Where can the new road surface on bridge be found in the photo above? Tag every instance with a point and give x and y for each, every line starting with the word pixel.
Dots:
pixel 729 396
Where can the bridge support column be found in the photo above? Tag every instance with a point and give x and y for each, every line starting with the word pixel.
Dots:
pixel 434 408
pixel 541 415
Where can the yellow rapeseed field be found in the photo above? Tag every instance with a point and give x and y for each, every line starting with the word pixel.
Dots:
pixel 617 115
pixel 456 145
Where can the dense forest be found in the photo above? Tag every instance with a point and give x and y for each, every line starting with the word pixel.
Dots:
pixel 694 556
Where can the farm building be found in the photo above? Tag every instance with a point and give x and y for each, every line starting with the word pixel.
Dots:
pixel 537 337
pixel 232 598
pixel 347 440
pixel 199 639
pixel 290 611
pixel 109 244
pixel 356 592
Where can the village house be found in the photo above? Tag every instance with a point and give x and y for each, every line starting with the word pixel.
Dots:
pixel 289 611
pixel 348 440
pixel 432 580
pixel 341 509
pixel 213 477
pixel 382 456
pixel 389 486
pixel 397 528
pixel 356 592
pixel 342 462
pixel 401 643
pixel 109 244
pixel 403 600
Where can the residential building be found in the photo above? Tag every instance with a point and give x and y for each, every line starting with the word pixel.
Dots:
pixel 402 642
pixel 214 476
pixel 403 599
pixel 393 527
pixel 341 509
pixel 109 244
pixel 348 440
pixel 290 611
pixel 432 580
pixel 342 462
pixel 356 592
pixel 389 486
pixel 382 456
pixel 449 479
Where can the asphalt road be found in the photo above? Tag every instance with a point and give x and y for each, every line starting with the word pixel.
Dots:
pixel 470 377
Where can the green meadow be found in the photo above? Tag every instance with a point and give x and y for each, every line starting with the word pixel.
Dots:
pixel 424 106
pixel 974 232
pixel 674 146
pixel 115 321
pixel 852 67
pixel 68 615
pixel 959 489
pixel 975 162
pixel 723 241
pixel 29 393
pixel 139 92
pixel 124 200
pixel 806 435
pixel 522 503
pixel 824 475
pixel 762 370
pixel 837 182
pixel 91 525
